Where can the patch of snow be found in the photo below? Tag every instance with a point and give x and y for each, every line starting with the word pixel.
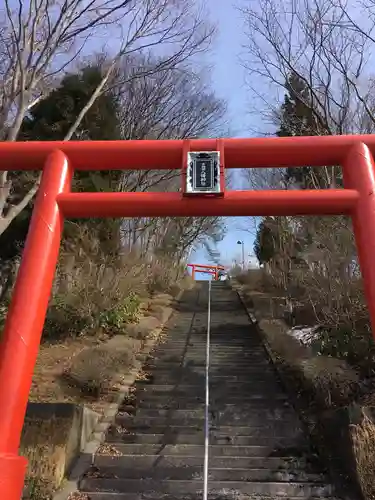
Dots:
pixel 305 334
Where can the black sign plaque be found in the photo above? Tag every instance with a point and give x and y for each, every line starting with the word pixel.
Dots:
pixel 203 173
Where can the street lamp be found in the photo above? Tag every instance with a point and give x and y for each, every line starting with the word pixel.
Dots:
pixel 239 242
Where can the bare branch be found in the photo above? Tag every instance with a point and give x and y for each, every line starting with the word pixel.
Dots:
pixel 43 39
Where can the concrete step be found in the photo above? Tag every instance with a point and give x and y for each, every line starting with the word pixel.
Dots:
pixel 198 335
pixel 193 496
pixel 231 388
pixel 192 391
pixel 194 342
pixel 199 349
pixel 184 401
pixel 194 352
pixel 196 473
pixel 245 388
pixel 198 439
pixel 144 462
pixel 273 429
pixel 193 450
pixel 223 369
pixel 257 357
pixel 234 413
pixel 169 403
pixel 215 364
pixel 220 373
pixel 198 378
pixel 177 389
pixel 299 490
pixel 199 357
pixel 139 422
pixel 164 355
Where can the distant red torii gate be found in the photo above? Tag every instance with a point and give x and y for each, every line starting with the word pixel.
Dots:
pixel 204 268
pixel 203 195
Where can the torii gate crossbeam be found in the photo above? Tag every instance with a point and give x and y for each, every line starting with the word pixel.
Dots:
pixel 212 269
pixel 55 202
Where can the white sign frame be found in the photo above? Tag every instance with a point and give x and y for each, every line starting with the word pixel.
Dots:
pixel 192 185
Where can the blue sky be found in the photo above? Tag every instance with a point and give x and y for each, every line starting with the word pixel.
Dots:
pixel 228 81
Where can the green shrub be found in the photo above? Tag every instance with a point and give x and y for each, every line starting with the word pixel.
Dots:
pixel 354 346
pixel 64 320
pixel 114 320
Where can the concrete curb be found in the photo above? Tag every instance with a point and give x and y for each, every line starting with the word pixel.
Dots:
pixel 86 457
pixel 237 289
pixel 251 314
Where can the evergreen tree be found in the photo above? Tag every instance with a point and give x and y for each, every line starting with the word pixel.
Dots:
pixel 50 120
pixel 299 118
pixel 52 117
pixel 265 244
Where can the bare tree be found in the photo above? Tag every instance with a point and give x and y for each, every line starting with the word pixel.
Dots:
pixel 41 40
pixel 167 104
pixel 329 50
pixel 327 45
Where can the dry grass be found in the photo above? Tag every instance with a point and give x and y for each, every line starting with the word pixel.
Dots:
pixel 44 444
pixel 95 296
pixel 160 312
pixel 333 380
pixel 95 370
pixel 143 328
pixel 267 305
pixel 256 280
pixel 251 278
pixel 108 451
pixel 98 293
pixel 363 436
pixel 162 299
pixel 77 495
pixel 53 360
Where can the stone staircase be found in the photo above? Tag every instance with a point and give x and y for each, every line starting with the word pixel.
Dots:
pixel 155 450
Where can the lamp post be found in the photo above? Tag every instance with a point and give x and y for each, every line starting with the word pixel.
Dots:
pixel 239 242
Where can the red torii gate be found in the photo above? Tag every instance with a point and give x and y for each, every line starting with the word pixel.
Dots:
pixel 203 195
pixel 204 268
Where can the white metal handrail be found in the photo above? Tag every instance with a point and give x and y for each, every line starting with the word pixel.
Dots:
pixel 207 401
